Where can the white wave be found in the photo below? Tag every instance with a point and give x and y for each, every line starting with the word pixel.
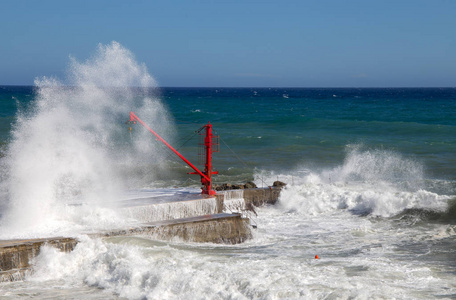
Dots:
pixel 359 198
pixel 73 146
pixel 376 182
pixel 136 268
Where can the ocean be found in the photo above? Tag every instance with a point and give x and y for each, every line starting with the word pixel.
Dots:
pixel 370 173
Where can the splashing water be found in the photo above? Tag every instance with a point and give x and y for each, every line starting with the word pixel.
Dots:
pixel 72 146
pixel 375 182
pixel 233 201
pixel 171 210
pixel 374 166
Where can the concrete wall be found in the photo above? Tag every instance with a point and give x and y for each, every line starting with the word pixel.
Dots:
pixel 257 196
pixel 172 210
pixel 217 228
pixel 230 230
pixel 16 256
pixel 262 196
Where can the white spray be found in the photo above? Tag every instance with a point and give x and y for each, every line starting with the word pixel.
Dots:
pixel 73 145
pixel 377 182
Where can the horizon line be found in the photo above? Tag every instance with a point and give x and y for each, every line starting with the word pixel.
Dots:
pixel 264 87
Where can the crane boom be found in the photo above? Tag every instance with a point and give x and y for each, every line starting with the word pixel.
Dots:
pixel 207 174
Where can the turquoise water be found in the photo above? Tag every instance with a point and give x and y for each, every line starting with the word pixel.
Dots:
pixel 285 129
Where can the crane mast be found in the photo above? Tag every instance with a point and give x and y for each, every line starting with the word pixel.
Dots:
pixel 206 175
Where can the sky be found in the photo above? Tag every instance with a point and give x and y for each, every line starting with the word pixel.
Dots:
pixel 400 43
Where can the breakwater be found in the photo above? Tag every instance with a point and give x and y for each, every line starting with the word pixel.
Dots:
pixel 16 256
pixel 219 219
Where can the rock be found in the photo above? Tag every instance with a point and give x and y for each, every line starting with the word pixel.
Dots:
pixel 229 186
pixel 279 184
pixel 237 187
pixel 222 187
pixel 250 185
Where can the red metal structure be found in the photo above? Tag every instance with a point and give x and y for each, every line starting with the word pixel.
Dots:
pixel 207 153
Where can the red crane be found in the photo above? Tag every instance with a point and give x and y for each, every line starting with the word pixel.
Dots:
pixel 207 152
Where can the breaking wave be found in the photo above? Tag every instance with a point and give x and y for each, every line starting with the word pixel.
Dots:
pixel 369 182
pixel 72 145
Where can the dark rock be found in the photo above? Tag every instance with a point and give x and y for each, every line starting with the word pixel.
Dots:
pixel 225 187
pixel 229 186
pixel 279 184
pixel 250 185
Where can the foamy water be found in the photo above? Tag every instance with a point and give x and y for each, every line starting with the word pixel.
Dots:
pixel 360 258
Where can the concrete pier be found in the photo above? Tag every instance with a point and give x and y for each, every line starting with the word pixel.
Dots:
pixel 216 228
pixel 187 217
pixel 180 206
pixel 16 256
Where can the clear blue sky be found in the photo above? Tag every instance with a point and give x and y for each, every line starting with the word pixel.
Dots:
pixel 409 43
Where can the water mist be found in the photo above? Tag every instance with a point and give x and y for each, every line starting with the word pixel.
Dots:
pixel 72 147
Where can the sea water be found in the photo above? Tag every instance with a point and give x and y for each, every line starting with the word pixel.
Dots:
pixel 370 173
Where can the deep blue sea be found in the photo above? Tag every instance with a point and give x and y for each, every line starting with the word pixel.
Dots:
pixel 371 177
pixel 280 129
